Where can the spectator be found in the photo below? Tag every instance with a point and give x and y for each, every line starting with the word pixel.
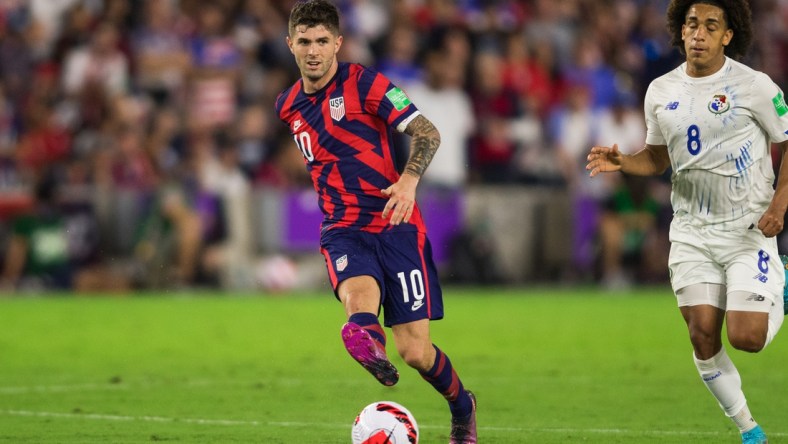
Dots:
pixel 272 50
pixel 455 40
pixel 437 13
pixel 8 122
pixel 169 244
pixel 590 68
pixel 255 135
pixel 442 91
pixel 44 142
pixel 164 144
pixel 132 168
pixel 492 150
pixel 623 121
pixel 572 128
pixel 79 22
pixel 13 193
pixel 231 254
pixel 627 231
pixel 54 248
pixel 98 63
pixel 46 24
pixel 367 19
pixel 216 65
pixel 161 56
pixel 525 76
pixel 399 60
pixel 16 58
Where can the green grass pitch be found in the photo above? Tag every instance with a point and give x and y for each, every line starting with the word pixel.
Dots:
pixel 548 366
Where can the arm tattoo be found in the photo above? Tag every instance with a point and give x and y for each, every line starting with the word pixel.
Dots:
pixel 423 145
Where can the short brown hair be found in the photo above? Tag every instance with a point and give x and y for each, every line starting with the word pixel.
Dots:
pixel 314 13
pixel 737 17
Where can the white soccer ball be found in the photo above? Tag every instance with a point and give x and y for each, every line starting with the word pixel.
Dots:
pixel 385 422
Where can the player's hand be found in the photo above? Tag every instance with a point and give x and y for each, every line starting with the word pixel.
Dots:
pixel 402 199
pixel 604 159
pixel 771 223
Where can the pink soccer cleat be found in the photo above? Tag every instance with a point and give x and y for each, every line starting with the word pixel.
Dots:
pixel 365 350
pixel 463 430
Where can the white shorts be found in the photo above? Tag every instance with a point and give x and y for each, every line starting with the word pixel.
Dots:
pixel 716 296
pixel 738 260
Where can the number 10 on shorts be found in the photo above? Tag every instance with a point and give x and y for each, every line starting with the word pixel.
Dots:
pixel 416 286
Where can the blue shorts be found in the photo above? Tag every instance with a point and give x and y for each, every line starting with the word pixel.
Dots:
pixel 400 261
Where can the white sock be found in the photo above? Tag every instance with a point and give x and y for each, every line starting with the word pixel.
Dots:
pixel 776 315
pixel 744 420
pixel 724 382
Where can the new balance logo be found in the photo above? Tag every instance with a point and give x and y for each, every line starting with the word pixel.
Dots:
pixel 417 305
pixel 712 377
pixel 672 105
pixel 755 298
pixel 761 277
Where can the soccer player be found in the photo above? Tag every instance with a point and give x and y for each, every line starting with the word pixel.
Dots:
pixel 373 236
pixel 712 120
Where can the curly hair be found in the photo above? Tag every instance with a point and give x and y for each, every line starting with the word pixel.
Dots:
pixel 737 16
pixel 314 13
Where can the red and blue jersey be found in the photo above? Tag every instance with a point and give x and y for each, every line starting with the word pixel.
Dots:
pixel 344 133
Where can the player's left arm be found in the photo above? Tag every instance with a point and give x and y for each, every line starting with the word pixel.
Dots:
pixel 771 222
pixel 771 112
pixel 424 142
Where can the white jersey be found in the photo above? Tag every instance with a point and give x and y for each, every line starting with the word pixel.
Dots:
pixel 718 130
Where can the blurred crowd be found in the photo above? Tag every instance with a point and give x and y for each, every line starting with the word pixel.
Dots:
pixel 161 111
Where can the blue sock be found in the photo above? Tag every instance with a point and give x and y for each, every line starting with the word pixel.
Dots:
pixel 445 380
pixel 370 323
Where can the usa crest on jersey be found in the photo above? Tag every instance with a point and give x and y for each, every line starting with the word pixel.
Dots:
pixel 337 108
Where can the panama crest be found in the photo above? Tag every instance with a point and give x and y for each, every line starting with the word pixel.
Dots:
pixel 719 104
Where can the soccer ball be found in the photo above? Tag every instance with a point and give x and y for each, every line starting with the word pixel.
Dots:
pixel 277 273
pixel 385 422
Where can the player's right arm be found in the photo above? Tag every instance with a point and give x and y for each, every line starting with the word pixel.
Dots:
pixel 652 160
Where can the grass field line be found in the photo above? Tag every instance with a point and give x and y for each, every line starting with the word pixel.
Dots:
pixel 301 424
pixel 59 388
pixel 144 418
pixel 124 385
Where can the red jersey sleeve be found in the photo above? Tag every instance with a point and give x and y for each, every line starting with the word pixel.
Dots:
pixel 384 99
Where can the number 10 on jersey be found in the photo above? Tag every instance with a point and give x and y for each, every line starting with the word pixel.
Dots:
pixel 304 142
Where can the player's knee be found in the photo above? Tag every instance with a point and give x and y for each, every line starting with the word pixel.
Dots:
pixel 749 341
pixel 416 358
pixel 705 343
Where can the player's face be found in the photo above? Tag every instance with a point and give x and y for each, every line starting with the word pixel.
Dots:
pixel 705 34
pixel 315 49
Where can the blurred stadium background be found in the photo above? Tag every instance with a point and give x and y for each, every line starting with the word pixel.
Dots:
pixel 139 149
pixel 139 154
